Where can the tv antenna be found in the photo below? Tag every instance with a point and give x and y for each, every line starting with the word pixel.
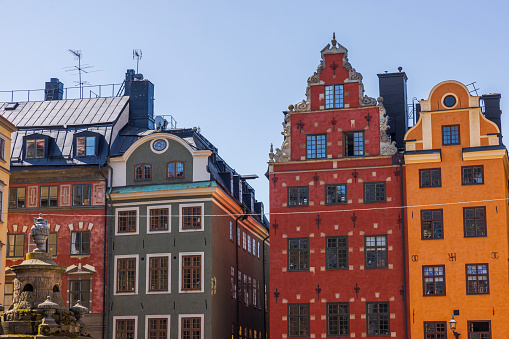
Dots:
pixel 80 68
pixel 137 54
pixel 474 88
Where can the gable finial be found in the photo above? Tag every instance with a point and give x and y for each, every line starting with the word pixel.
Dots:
pixel 333 41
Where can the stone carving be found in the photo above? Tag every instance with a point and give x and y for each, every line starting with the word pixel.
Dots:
pixel 302 106
pixel 354 75
pixel 387 147
pixel 368 101
pixel 346 63
pixel 40 233
pixel 283 154
pixel 314 78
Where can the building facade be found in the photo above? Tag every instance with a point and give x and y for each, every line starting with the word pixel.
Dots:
pixel 456 193
pixel 337 260
pixel 189 242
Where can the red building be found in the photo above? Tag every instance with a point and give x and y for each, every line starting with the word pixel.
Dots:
pixel 336 256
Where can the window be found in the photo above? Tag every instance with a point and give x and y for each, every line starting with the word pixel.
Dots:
pixel 353 144
pixel 316 146
pixel 479 329
pixel 49 196
pixel 297 196
pixel 191 272
pixel 472 175
pixel 474 219
pixel 127 221
pixel 157 328
pixel 190 327
pixel 34 148
pixel 298 320
pixel 125 328
pixel 239 285
pixel 2 148
pixel 85 146
pixel 338 319
pixel 376 251
pixel 17 197
pixel 431 224
pixel 337 253
pixel 81 195
pixel 378 322
pixel 255 300
pixel 433 280
pixel 335 194
pixel 374 191
pixel 244 246
pixel 451 135
pixel 16 245
pixel 334 96
pixel 478 281
pixel 233 289
pixel 249 299
pixel 175 169
pixel 231 231
pixel 430 177
pixel 126 275
pixel 79 289
pixel 158 219
pixel 51 245
pixel 80 243
pixel 8 292
pixel 298 254
pixel 254 247
pixel 238 237
pixel 435 330
pixel 142 172
pixel 191 218
pixel 246 293
pixel 158 273
pixel 248 244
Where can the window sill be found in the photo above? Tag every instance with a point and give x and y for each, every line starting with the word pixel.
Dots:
pixel 79 256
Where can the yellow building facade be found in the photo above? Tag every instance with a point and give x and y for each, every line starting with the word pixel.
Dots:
pixel 456 175
pixel 6 128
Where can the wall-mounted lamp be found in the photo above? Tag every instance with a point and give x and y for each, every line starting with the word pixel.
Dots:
pixel 452 325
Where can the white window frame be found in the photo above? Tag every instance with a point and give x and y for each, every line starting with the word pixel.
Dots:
pixel 231 231
pixel 135 317
pixel 125 256
pixel 2 149
pixel 168 255
pixel 202 316
pixel 202 228
pixel 244 247
pixel 158 316
pixel 202 254
pixel 156 207
pixel 249 243
pixel 121 209
pixel 258 250
pixel 254 247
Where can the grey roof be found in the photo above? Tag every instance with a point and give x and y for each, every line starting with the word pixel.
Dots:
pixel 65 112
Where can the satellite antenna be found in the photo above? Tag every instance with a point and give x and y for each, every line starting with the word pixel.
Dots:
pixel 80 68
pixel 137 54
pixel 160 123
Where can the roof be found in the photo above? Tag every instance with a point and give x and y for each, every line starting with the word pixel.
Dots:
pixel 161 187
pixel 65 112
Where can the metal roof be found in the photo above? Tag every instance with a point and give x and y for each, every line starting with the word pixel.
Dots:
pixel 65 112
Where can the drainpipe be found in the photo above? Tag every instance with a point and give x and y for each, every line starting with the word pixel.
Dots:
pixel 242 217
pixel 106 280
pixel 264 289
pixel 403 243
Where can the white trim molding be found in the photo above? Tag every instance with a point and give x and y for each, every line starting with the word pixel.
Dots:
pixel 202 319
pixel 121 209
pixel 156 207
pixel 202 278
pixel 158 316
pixel 147 264
pixel 126 256
pixel 202 218
pixel 134 317
pixel 161 151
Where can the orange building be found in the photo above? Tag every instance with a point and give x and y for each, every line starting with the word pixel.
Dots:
pixel 456 172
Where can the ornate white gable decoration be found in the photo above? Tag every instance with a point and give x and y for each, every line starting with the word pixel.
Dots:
pixel 386 146
pixel 283 154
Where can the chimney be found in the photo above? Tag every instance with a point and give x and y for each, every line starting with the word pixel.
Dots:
pixel 393 91
pixel 492 109
pixel 54 90
pixel 141 100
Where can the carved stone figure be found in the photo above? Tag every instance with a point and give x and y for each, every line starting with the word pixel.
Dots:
pixel 387 147
pixel 283 154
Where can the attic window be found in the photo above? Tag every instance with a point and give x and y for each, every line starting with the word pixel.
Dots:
pixel 11 106
pixel 334 96
pixel 85 146
pixel 35 148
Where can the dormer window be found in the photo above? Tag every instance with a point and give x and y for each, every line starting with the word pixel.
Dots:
pixel 142 172
pixel 334 96
pixel 85 146
pixel 35 148
pixel 175 169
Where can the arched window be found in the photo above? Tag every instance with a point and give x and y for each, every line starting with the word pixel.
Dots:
pixel 56 288
pixel 142 172
pixel 28 288
pixel 175 169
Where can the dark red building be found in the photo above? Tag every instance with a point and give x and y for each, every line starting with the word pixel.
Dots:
pixel 336 256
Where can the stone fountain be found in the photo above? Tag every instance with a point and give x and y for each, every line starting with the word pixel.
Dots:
pixel 38 310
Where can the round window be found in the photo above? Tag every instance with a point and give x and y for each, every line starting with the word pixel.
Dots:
pixel 449 101
pixel 159 145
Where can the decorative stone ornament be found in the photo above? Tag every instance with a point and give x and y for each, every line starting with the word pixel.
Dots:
pixel 387 147
pixel 283 154
pixel 40 232
pixel 48 307
pixel 79 310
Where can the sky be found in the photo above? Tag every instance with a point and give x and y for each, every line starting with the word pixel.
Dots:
pixel 232 67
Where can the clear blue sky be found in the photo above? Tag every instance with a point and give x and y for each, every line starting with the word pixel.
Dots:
pixel 231 67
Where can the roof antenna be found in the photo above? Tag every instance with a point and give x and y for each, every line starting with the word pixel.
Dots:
pixel 137 54
pixel 81 68
pixel 333 41
pixel 474 88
